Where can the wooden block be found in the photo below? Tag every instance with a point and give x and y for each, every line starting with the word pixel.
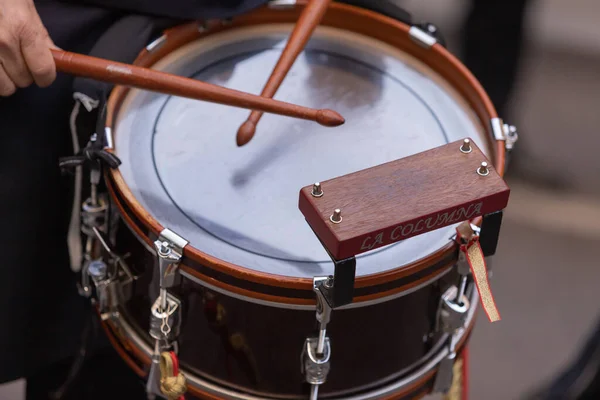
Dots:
pixel 403 198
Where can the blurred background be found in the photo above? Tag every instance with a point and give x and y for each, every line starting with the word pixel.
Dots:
pixel 545 274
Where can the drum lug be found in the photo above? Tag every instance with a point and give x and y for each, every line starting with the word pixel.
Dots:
pixel 507 133
pixel 156 44
pixel 422 35
pixel 317 350
pixel 110 291
pixel 111 278
pixel 315 366
pixel 166 314
pixel 165 323
pixel 169 248
pixel 452 317
pixel 281 4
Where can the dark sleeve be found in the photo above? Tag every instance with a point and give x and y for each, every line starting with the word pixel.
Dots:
pixel 180 9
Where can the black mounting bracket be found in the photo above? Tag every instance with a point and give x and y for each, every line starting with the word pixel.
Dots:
pixel 339 291
pixel 490 232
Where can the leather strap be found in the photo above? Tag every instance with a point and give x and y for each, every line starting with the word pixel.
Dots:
pixel 474 256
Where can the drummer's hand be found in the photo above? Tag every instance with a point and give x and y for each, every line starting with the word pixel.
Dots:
pixel 25 55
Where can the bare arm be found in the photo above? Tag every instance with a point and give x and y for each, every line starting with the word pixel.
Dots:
pixel 25 45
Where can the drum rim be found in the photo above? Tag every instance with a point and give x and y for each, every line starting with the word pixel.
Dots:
pixel 262 285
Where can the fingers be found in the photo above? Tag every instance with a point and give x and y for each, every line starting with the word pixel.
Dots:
pixel 25 55
pixel 7 87
pixel 35 47
pixel 13 63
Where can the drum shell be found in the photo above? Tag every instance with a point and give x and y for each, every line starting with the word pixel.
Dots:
pixel 371 344
pixel 257 348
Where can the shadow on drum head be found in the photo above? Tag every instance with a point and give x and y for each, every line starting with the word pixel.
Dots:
pixel 322 87
pixel 232 237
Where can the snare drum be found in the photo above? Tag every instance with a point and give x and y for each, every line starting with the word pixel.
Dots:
pixel 241 302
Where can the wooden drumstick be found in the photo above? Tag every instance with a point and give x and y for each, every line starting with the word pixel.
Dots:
pixel 308 21
pixel 162 82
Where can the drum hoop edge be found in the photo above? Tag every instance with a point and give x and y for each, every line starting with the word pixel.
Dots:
pixel 181 35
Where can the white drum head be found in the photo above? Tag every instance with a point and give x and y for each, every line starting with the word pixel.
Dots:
pixel 181 162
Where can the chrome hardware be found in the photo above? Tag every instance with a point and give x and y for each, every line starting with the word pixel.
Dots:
pixel 84 288
pixel 452 318
pixel 323 309
pixel 93 214
pixel 336 217
pixel 281 4
pixel 511 136
pixel 505 132
pixel 462 265
pixel 315 366
pixel 445 373
pixel 466 146
pixel 156 43
pixel 169 249
pixel 453 310
pixel 153 383
pixel 112 290
pixel 421 37
pixel 108 137
pixel 483 169
pixel 165 322
pixel 317 190
pixel 114 258
pixel 316 351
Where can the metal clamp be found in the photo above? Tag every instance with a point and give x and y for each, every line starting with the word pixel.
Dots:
pixel 505 132
pixel 165 325
pixel 169 248
pixel 320 284
pixel 93 214
pixel 112 290
pixel 452 318
pixel 423 36
pixel 112 280
pixel 165 322
pixel 316 351
pixel 315 365
pixel 281 4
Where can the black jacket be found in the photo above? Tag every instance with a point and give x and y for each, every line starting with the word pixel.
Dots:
pixel 184 9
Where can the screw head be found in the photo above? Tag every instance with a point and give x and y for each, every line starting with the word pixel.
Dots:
pixel 336 217
pixel 466 146
pixel 165 248
pixel 98 269
pixel 317 190
pixel 483 170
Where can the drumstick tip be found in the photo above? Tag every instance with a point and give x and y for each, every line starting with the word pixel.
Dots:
pixel 245 133
pixel 329 118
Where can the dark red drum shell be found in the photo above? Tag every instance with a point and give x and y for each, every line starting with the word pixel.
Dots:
pixel 298 291
pixel 255 349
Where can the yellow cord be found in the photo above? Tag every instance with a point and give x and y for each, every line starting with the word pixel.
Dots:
pixel 171 386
